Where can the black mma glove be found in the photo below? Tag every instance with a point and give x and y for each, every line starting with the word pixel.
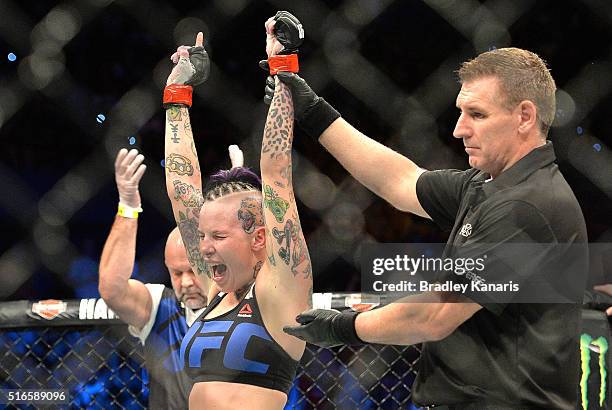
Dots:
pixel 192 65
pixel 288 31
pixel 326 328
pixel 201 63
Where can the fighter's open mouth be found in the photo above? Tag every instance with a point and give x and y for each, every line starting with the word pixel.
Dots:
pixel 218 270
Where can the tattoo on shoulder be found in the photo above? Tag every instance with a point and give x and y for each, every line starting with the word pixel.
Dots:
pixel 178 164
pixel 189 233
pixel 250 214
pixel 277 205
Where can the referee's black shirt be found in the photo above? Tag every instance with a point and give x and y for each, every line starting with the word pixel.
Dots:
pixel 513 355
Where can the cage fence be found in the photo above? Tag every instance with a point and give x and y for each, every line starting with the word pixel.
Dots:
pixel 79 346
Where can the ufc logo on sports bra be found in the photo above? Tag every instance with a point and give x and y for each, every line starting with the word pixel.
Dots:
pixel 210 335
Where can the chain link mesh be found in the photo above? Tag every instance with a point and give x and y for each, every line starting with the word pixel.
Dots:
pixel 386 65
pixel 102 367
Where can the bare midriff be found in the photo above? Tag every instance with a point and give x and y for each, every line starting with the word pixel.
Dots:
pixel 231 396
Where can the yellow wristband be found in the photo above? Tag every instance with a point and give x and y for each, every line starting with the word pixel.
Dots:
pixel 128 212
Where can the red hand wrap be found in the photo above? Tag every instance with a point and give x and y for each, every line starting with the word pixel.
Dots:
pixel 287 62
pixel 178 94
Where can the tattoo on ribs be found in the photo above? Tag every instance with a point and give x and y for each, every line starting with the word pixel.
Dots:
pixel 179 164
pixel 250 214
pixel 277 205
pixel 189 233
pixel 190 197
pixel 174 113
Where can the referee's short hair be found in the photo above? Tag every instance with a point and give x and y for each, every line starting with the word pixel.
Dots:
pixel 523 75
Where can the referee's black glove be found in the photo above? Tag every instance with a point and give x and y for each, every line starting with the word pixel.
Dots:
pixel 312 113
pixel 326 328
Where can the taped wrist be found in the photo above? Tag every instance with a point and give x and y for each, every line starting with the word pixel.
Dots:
pixel 287 62
pixel 343 326
pixel 317 118
pixel 178 94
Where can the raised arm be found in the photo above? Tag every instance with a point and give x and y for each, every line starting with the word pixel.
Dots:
pixel 183 176
pixel 385 172
pixel 127 297
pixel 287 252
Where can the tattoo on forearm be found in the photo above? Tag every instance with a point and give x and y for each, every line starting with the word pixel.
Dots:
pixel 250 214
pixel 276 145
pixel 279 125
pixel 193 149
pixel 257 268
pixel 175 137
pixel 277 205
pixel 189 195
pixel 286 174
pixel 179 164
pixel 195 155
pixel 174 113
pixel 189 233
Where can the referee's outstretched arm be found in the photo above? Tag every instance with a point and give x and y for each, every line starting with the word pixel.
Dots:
pixel 385 172
pixel 426 317
pixel 429 316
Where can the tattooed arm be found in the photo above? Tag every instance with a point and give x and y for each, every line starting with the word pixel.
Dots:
pixel 183 177
pixel 184 181
pixel 287 251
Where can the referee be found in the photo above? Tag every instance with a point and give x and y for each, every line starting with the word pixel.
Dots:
pixel 477 353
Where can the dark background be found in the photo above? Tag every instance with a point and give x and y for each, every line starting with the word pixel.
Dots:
pixel 387 66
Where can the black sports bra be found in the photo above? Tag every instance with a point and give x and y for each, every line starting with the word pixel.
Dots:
pixel 236 347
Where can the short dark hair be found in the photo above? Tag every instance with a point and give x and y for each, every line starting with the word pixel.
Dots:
pixel 522 75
